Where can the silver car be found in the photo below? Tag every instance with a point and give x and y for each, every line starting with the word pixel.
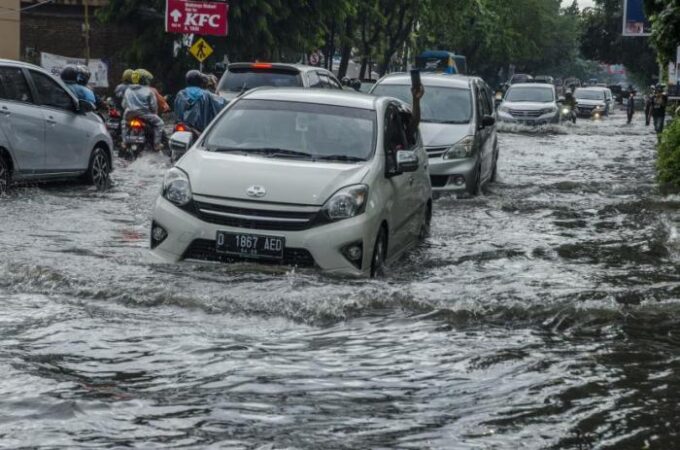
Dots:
pixel 45 132
pixel 458 128
pixel 593 101
pixel 294 177
pixel 530 104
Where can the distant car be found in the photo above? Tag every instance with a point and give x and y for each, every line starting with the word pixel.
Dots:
pixel 593 101
pixel 530 104
pixel 302 178
pixel 242 77
pixel 544 79
pixel 521 78
pixel 457 125
pixel 46 133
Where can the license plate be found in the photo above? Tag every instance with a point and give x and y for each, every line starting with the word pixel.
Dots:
pixel 251 245
pixel 135 139
pixel 112 125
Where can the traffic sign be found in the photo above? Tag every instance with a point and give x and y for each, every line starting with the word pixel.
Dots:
pixel 197 17
pixel 201 50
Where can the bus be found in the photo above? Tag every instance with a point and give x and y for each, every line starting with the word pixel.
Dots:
pixel 441 61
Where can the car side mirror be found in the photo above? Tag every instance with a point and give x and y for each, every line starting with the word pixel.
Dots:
pixel 407 161
pixel 181 141
pixel 488 121
pixel 84 107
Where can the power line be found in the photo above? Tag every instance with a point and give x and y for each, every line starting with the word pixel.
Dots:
pixel 14 11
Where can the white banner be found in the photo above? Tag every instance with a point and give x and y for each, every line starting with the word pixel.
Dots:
pixel 54 64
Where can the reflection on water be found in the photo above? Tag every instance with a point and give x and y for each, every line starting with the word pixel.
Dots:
pixel 542 314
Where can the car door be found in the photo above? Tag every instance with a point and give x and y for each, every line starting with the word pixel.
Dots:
pixel 21 121
pixel 399 202
pixel 67 133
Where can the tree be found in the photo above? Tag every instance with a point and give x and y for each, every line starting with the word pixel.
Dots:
pixel 665 18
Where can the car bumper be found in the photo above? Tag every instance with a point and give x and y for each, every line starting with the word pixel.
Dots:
pixel 545 119
pixel 451 175
pixel 321 246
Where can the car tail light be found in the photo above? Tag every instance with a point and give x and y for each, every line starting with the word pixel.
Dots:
pixel 180 127
pixel 261 66
pixel 136 123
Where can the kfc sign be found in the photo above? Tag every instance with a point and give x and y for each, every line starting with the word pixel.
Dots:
pixel 202 18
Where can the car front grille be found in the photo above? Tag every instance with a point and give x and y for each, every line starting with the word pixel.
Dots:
pixel 439 181
pixel 206 250
pixel 436 152
pixel 256 218
pixel 521 113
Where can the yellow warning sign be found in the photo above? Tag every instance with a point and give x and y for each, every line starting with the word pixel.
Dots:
pixel 201 50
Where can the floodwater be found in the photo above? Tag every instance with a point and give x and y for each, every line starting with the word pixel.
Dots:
pixel 544 314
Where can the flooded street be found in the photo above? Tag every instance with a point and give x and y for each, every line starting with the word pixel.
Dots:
pixel 543 314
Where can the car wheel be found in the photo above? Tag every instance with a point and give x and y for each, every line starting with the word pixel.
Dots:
pixel 494 172
pixel 474 187
pixel 99 169
pixel 426 225
pixel 379 255
pixel 4 175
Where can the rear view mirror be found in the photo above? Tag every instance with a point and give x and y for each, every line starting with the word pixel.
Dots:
pixel 85 107
pixel 488 121
pixel 407 161
pixel 181 141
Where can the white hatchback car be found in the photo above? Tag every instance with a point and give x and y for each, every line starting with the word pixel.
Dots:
pixel 307 178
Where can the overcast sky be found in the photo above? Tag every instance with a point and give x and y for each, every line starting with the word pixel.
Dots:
pixel 581 3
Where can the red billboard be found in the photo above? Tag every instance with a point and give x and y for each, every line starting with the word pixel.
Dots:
pixel 202 18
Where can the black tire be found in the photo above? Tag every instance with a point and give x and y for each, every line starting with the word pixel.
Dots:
pixel 5 175
pixel 494 171
pixel 426 226
pixel 474 187
pixel 379 255
pixel 99 169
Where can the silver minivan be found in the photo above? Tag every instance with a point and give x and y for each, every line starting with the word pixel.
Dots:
pixel 45 132
pixel 298 177
pixel 458 128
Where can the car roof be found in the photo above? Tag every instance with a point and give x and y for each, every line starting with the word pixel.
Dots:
pixel 350 99
pixel 593 88
pixel 429 79
pixel 528 85
pixel 299 67
pixel 12 62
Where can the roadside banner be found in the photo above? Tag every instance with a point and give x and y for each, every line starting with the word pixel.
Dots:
pixel 635 23
pixel 197 17
pixel 98 68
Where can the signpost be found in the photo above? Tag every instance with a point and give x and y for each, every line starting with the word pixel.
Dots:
pixel 635 23
pixel 201 50
pixel 197 17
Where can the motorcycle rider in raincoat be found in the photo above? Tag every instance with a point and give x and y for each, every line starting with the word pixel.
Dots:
pixel 195 106
pixel 119 92
pixel 76 80
pixel 140 102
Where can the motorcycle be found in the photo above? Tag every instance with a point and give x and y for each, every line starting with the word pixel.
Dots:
pixel 567 113
pixel 137 137
pixel 113 122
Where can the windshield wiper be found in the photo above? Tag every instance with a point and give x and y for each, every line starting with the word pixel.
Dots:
pixel 227 149
pixel 344 158
pixel 280 153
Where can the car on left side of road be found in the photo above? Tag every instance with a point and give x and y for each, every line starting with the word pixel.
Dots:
pixel 300 178
pixel 46 133
pixel 530 104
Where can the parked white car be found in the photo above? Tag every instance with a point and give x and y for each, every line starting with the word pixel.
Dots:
pixel 307 178
pixel 45 132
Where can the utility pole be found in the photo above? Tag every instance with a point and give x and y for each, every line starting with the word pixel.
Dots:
pixel 86 32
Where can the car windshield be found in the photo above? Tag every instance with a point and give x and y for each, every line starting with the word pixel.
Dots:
pixel 530 94
pixel 237 80
pixel 281 129
pixel 439 105
pixel 583 94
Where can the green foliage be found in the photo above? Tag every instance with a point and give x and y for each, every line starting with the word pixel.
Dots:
pixel 665 18
pixel 668 162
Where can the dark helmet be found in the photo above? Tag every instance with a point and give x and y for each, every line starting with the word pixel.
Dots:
pixel 568 94
pixel 356 85
pixel 83 75
pixel 345 81
pixel 195 78
pixel 69 74
pixel 658 88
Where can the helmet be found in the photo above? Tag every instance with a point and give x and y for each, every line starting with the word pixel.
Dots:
pixel 145 77
pixel 69 74
pixel 658 88
pixel 195 78
pixel 127 76
pixel 345 81
pixel 83 76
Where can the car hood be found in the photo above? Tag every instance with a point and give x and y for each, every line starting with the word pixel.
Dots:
pixel 586 102
pixel 442 134
pixel 285 180
pixel 528 106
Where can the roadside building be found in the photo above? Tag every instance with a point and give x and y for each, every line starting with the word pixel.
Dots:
pixel 9 29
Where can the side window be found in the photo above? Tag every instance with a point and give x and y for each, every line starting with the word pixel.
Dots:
pixel 395 139
pixel 325 81
pixel 14 85
pixel 334 83
pixel 51 94
pixel 314 80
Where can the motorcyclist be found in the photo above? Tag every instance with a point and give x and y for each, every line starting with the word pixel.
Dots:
pixel 163 106
pixel 630 106
pixel 139 101
pixel 648 105
pixel 119 92
pixel 570 103
pixel 195 106
pixel 76 80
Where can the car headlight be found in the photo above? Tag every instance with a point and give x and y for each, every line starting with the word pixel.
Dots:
pixel 347 202
pixel 176 187
pixel 462 149
pixel 504 109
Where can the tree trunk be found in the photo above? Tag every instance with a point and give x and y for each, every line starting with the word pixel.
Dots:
pixel 346 51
